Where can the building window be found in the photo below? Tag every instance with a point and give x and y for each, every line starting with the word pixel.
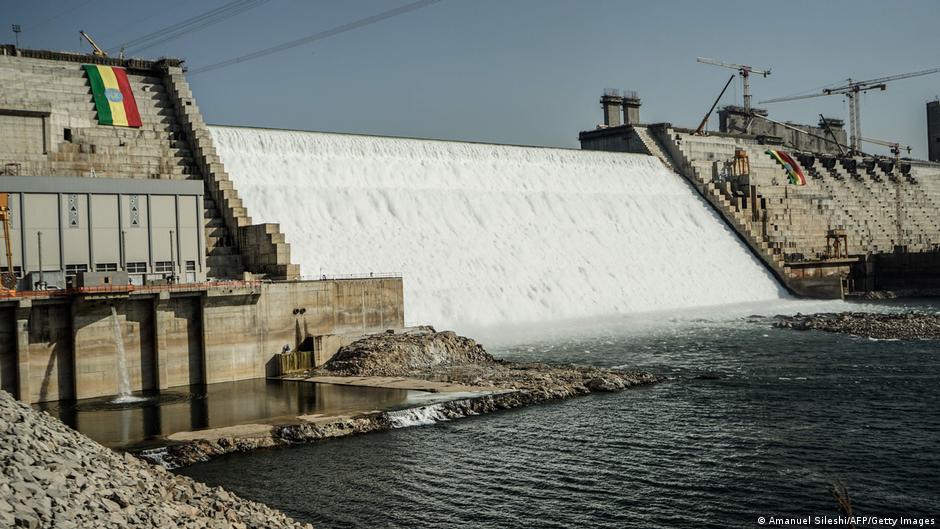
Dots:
pixel 18 271
pixel 163 266
pixel 190 266
pixel 75 269
pixel 67 135
pixel 106 267
pixel 137 268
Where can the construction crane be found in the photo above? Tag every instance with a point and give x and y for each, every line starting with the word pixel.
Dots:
pixel 745 72
pixel 97 51
pixel 701 126
pixel 852 90
pixel 893 145
pixel 8 278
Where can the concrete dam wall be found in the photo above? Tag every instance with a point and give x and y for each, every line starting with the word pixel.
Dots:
pixel 63 347
pixel 493 234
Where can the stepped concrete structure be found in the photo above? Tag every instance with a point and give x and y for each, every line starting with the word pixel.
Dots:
pixel 141 229
pixel 860 224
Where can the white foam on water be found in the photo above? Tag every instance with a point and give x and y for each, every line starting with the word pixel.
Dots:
pixel 124 395
pixel 491 235
pixel 420 416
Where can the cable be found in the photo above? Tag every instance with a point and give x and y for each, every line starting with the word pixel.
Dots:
pixel 132 24
pixel 318 36
pixel 173 27
pixel 185 27
pixel 60 15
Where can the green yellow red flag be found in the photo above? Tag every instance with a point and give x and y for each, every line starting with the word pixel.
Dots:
pixel 114 99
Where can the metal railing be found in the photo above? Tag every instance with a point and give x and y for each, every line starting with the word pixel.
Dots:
pixel 127 289
pixel 370 275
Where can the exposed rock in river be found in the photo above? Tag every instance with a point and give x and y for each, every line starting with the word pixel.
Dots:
pixel 445 356
pixel 400 354
pixel 911 325
pixel 53 476
pixel 487 385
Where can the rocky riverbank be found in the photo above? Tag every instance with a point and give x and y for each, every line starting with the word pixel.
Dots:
pixel 481 384
pixel 912 325
pixel 444 356
pixel 53 476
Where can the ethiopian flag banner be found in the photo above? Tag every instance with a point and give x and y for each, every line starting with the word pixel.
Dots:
pixel 113 97
pixel 794 171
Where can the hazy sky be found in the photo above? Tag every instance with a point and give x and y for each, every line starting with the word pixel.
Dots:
pixel 520 71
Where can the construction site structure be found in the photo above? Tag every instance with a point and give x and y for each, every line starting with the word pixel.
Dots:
pixel 852 90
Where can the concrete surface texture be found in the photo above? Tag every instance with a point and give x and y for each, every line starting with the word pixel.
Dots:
pixel 879 205
pixel 65 348
pixel 49 124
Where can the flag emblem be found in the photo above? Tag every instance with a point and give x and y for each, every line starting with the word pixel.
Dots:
pixel 113 97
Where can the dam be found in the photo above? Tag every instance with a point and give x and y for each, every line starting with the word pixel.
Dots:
pixel 494 234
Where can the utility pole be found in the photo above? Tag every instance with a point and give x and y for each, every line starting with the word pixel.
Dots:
pixel 172 257
pixel 16 31
pixel 42 283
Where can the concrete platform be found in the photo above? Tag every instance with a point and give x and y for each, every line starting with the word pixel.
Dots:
pixel 414 384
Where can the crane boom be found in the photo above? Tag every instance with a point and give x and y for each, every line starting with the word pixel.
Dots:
pixel 733 66
pixel 850 85
pixel 98 51
pixel 852 90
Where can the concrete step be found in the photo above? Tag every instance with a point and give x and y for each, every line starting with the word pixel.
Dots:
pixel 217 251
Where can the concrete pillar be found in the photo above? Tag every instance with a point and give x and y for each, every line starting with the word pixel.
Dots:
pixel 161 342
pixel 22 350
pixel 610 103
pixel 631 109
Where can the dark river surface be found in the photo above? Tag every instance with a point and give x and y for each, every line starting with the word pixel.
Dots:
pixel 147 423
pixel 753 421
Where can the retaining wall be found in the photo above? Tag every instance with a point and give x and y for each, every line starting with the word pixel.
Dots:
pixel 64 347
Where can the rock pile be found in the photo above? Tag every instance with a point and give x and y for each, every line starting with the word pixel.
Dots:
pixel 911 325
pixel 401 354
pixel 445 356
pixel 52 476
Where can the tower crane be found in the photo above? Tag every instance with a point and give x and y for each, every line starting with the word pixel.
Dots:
pixel 852 90
pixel 745 72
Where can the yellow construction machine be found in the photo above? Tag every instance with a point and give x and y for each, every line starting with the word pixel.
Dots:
pixel 7 277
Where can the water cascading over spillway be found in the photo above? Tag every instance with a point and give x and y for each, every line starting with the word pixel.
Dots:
pixel 124 394
pixel 492 234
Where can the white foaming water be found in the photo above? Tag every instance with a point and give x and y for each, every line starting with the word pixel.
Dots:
pixel 421 416
pixel 490 234
pixel 124 384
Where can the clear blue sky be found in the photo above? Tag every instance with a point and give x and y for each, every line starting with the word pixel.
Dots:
pixel 520 71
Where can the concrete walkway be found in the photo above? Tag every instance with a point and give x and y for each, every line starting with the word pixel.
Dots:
pixel 414 384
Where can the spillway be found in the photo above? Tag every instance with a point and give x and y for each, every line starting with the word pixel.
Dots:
pixel 493 234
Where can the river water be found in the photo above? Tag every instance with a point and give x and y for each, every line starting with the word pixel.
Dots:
pixel 753 421
pixel 149 417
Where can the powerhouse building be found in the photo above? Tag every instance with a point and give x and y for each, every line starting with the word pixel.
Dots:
pixel 123 225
